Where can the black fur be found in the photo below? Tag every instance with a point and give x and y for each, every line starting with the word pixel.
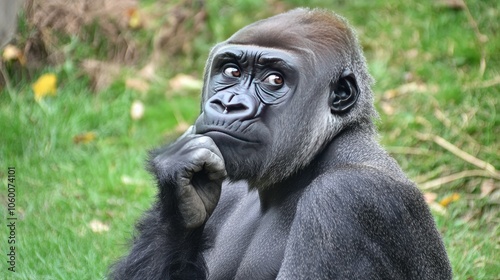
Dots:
pixel 281 176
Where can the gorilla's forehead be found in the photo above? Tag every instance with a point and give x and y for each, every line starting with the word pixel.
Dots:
pixel 257 55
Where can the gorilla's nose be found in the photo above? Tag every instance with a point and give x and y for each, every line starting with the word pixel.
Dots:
pixel 231 107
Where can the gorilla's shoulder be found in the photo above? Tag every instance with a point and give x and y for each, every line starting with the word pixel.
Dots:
pixel 354 191
pixel 361 179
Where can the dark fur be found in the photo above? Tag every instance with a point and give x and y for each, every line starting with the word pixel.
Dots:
pixel 316 198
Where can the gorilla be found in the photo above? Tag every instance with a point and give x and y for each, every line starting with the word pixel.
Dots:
pixel 281 176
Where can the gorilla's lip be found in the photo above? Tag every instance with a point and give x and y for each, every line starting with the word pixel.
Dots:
pixel 232 134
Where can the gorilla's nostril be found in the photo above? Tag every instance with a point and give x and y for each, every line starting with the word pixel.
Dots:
pixel 235 107
pixel 228 107
pixel 231 107
pixel 217 102
pixel 218 105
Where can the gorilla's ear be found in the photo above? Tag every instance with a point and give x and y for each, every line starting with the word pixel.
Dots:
pixel 343 93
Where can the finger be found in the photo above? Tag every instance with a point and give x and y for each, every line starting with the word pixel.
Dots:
pixel 200 141
pixel 206 160
pixel 211 163
pixel 209 193
pixel 192 207
pixel 215 167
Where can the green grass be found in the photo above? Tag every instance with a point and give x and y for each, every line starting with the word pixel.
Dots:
pixel 62 186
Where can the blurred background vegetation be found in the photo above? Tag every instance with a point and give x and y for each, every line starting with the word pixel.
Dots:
pixel 87 87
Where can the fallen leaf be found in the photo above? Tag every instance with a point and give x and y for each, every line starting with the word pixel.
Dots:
pixel 84 138
pixel 387 108
pixel 134 18
pixel 185 82
pixel 430 197
pixel 137 84
pixel 137 110
pixel 45 85
pixel 11 53
pixel 411 54
pixel 390 94
pixel 98 226
pixel 101 73
pixel 410 77
pixel 148 72
pixel 127 180
pixel 487 187
pixel 436 207
pixel 412 87
pixel 449 199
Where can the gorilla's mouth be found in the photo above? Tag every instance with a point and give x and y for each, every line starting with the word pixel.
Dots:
pixel 217 132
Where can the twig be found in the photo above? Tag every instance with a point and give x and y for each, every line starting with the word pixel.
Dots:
pixel 420 179
pixel 464 155
pixel 488 168
pixel 484 84
pixel 442 117
pixel 446 122
pixel 407 150
pixel 433 184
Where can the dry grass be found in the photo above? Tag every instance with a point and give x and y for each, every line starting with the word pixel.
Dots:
pixel 52 18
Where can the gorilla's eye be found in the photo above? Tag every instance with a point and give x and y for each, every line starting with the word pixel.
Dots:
pixel 274 80
pixel 232 71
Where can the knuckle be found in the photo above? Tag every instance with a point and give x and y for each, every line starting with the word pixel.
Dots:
pixel 204 140
pixel 202 154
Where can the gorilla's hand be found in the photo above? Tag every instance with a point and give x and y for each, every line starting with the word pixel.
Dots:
pixel 190 174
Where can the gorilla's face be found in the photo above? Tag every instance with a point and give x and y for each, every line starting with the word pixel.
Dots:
pixel 271 102
pixel 247 93
pixel 266 109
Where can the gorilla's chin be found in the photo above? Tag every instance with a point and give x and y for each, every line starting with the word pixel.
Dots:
pixel 241 157
pixel 244 153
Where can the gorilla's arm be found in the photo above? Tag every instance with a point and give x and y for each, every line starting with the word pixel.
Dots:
pixel 361 224
pixel 162 251
pixel 189 175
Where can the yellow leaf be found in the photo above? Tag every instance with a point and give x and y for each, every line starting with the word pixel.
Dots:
pixel 45 85
pixel 134 19
pixel 449 199
pixel 84 138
